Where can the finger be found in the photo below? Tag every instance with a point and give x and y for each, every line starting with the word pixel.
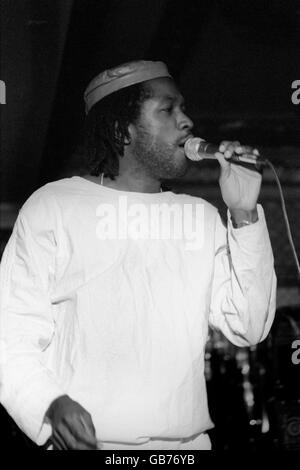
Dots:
pixel 82 430
pixel 223 146
pixel 228 153
pixel 242 149
pixel 65 437
pixel 65 440
pixel 228 145
pixel 82 446
pixel 225 165
pixel 58 442
pixel 88 424
pixel 229 150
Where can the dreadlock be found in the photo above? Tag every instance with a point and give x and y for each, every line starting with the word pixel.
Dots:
pixel 106 129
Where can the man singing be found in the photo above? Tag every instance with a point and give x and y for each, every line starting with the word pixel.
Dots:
pixel 104 312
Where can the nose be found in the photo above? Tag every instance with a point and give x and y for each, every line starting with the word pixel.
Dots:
pixel 185 123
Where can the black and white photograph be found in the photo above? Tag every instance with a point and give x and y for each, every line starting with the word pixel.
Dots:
pixel 150 227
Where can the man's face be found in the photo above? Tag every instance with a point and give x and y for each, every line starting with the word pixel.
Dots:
pixel 158 137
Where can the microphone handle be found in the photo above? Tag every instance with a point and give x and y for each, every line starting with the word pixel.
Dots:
pixel 258 166
pixel 250 161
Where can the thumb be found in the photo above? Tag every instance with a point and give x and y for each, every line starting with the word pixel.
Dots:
pixel 225 165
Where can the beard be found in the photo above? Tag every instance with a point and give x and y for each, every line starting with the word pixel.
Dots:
pixel 159 159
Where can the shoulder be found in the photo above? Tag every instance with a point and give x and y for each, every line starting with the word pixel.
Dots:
pixel 45 204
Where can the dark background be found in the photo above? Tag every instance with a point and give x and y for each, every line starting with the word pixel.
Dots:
pixel 235 62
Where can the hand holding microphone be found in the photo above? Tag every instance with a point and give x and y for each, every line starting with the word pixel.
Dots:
pixel 197 149
pixel 240 178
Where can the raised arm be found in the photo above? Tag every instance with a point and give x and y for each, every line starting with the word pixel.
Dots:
pixel 244 286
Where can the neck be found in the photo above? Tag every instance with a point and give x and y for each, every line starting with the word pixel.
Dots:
pixel 133 176
pixel 131 179
pixel 135 181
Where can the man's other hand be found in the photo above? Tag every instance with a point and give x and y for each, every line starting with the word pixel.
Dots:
pixel 72 426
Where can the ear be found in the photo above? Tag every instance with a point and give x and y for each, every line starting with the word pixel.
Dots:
pixel 127 140
pixel 131 134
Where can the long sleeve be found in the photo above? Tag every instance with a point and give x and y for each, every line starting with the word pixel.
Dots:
pixel 27 386
pixel 243 301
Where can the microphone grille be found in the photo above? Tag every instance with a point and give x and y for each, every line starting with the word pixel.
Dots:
pixel 191 148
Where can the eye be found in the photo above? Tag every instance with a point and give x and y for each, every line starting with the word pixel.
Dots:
pixel 168 109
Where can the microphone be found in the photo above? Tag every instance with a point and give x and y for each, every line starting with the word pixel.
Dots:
pixel 197 149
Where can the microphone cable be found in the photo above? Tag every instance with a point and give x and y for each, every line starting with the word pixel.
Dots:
pixel 286 219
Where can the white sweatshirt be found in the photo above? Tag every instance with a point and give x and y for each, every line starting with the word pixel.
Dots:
pixel 120 325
